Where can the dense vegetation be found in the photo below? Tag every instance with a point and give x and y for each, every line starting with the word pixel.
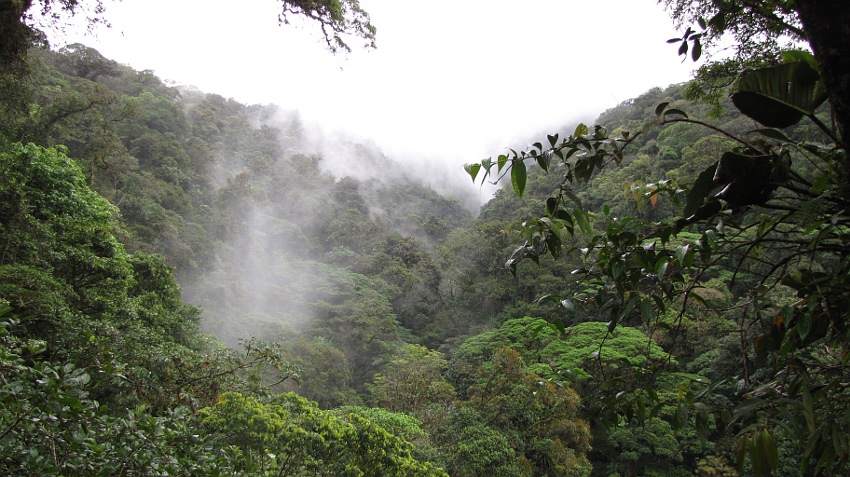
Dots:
pixel 333 323
pixel 757 214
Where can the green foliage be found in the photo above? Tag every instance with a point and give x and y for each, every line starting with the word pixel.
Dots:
pixel 337 19
pixel 764 96
pixel 643 448
pixel 326 374
pixel 289 435
pixel 697 157
pixel 364 328
pixel 539 418
pixel 747 208
pixel 403 426
pixel 760 31
pixel 59 251
pixel 219 189
pixel 51 425
pixel 412 382
pixel 591 345
pixel 536 413
pixel 720 244
pixel 580 351
pixel 478 449
pixel 95 330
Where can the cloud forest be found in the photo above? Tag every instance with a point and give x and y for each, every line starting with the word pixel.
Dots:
pixel 194 286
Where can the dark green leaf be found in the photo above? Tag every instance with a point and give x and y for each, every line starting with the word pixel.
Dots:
pixel 718 22
pixel 767 451
pixel 743 447
pixel 646 311
pixel 700 190
pixel 519 176
pixel 562 214
pixel 681 254
pixel 703 429
pixel 804 325
pixel 503 159
pixel 808 408
pixel 780 96
pixel 661 267
pixel 827 458
pixel 581 219
pixel 551 205
pixel 572 196
pixel 543 160
pixel 681 417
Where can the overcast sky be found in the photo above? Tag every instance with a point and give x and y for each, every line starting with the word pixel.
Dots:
pixel 457 79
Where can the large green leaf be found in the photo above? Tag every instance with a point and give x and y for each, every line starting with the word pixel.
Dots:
pixel 519 176
pixel 779 96
pixel 700 190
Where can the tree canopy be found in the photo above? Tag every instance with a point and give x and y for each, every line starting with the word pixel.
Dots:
pixel 770 209
pixel 677 306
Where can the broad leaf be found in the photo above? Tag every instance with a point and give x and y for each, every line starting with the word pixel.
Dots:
pixel 700 190
pixel 544 160
pixel 791 56
pixel 780 96
pixel 519 176
pixel 581 220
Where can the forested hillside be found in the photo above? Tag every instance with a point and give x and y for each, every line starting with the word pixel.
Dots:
pixel 194 286
pixel 347 290
pixel 727 248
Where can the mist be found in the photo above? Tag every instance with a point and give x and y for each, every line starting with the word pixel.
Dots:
pixel 330 208
pixel 448 84
pixel 284 204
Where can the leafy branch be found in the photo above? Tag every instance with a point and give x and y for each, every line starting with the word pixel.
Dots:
pixel 638 270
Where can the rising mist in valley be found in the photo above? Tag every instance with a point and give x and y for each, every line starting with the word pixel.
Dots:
pixel 254 288
pixel 296 206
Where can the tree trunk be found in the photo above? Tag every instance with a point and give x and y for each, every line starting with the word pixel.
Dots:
pixel 827 24
pixel 15 35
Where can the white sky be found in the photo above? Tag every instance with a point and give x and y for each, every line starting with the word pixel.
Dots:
pixel 456 80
